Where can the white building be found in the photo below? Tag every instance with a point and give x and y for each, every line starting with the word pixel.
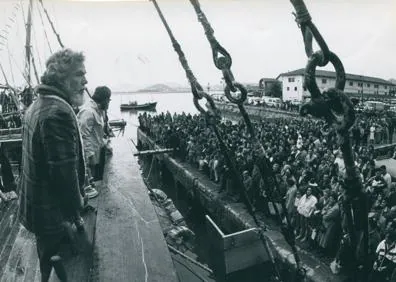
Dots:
pixel 360 86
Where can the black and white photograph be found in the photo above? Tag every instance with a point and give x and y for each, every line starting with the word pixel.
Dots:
pixel 197 141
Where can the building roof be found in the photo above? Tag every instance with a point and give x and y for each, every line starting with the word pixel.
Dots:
pixel 268 79
pixel 332 74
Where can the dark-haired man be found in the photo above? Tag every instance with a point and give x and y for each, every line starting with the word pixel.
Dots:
pixel 92 123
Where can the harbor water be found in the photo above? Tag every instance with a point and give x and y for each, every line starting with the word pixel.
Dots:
pixel 193 214
pixel 172 102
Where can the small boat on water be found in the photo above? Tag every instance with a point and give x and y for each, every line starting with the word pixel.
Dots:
pixel 135 106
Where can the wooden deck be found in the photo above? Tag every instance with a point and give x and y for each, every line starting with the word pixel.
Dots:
pixel 123 240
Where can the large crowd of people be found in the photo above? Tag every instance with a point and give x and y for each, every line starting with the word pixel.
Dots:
pixel 310 171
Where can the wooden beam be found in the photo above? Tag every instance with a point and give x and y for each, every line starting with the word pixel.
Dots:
pixel 153 152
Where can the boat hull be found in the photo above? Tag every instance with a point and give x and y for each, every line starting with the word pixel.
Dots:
pixel 146 106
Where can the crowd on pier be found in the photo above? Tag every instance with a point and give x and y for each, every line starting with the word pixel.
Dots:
pixel 309 168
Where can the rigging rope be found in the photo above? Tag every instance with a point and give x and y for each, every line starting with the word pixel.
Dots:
pixel 9 61
pixel 212 118
pixel 336 109
pixel 52 25
pixel 34 67
pixel 58 37
pixel 196 88
pixel 45 32
pixel 37 46
pixel 223 62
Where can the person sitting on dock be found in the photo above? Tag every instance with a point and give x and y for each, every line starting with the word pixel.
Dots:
pixel 91 120
pixel 53 169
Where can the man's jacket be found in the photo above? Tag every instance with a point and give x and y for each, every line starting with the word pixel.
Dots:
pixel 91 123
pixel 52 169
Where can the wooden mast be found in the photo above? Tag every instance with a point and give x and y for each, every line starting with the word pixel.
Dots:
pixel 27 45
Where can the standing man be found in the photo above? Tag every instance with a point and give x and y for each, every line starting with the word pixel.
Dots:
pixel 52 169
pixel 92 123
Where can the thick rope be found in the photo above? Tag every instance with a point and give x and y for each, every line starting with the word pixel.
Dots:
pixel 195 86
pixel 224 64
pixel 336 109
pixel 212 118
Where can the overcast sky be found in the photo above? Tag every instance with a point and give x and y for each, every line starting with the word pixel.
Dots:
pixel 126 45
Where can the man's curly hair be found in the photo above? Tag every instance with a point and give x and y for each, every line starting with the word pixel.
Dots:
pixel 59 66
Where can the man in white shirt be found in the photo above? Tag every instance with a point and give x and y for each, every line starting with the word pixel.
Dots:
pixel 387 177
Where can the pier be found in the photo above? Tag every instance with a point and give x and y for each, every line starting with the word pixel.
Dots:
pixel 231 216
pixel 123 239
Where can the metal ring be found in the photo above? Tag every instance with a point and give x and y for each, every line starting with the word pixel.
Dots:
pixel 310 78
pixel 208 98
pixel 242 90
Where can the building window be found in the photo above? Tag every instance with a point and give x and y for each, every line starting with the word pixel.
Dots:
pixel 350 83
pixel 375 85
pixel 360 84
pixel 385 87
pixel 368 84
pixel 291 79
pixel 295 88
pixel 288 88
pixel 324 80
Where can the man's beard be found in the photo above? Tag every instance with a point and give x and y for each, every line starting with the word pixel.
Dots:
pixel 77 99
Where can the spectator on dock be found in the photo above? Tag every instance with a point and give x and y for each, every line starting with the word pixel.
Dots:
pixel 298 150
pixel 53 168
pixel 91 121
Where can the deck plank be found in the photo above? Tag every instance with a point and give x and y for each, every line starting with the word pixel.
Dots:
pixel 17 261
pixel 9 228
pixel 129 240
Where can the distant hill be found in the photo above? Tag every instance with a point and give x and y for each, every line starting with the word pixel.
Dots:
pixel 164 88
pixel 392 80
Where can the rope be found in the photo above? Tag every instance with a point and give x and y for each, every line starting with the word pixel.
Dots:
pixel 52 25
pixel 212 116
pixel 34 67
pixel 37 47
pixel 9 61
pixel 224 64
pixel 309 30
pixel 45 32
pixel 151 166
pixel 190 270
pixel 16 64
pixel 196 88
pixel 329 106
pixel 190 259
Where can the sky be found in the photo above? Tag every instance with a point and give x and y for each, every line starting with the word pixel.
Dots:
pixel 126 45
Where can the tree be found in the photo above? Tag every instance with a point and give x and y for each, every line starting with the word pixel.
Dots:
pixel 274 90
